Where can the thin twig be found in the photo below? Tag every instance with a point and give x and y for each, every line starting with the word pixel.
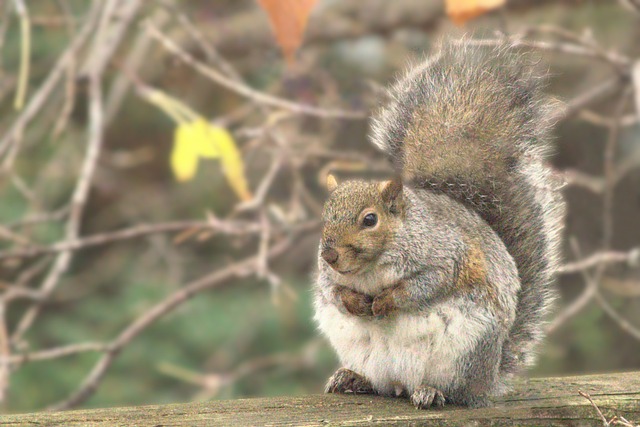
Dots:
pixel 581 301
pixel 25 53
pixel 5 352
pixel 13 135
pixel 135 58
pixel 6 234
pixel 246 91
pixel 610 178
pixel 56 215
pixel 588 397
pixel 623 323
pixel 212 280
pixel 54 353
pixel 592 282
pixel 106 40
pixel 4 24
pixel 600 120
pixel 212 383
pixel 225 227
pixel 116 20
pixel 69 100
pixel 631 257
pixel 588 98
pixel 212 53
pixel 265 185
pixel 518 40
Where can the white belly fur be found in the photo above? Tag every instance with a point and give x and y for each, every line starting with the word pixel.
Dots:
pixel 403 351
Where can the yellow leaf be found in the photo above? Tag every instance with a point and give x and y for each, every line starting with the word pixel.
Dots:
pixel 201 136
pixel 184 157
pixel 460 11
pixel 232 164
pixel 192 141
pixel 199 139
pixel 289 20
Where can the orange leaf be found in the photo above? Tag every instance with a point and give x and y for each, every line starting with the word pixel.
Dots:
pixel 288 20
pixel 460 11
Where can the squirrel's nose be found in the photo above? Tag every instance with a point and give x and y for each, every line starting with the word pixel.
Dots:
pixel 330 255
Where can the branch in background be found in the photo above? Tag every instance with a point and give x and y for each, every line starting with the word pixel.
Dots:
pixel 596 184
pixel 623 323
pixel 600 120
pixel 587 50
pixel 5 352
pixel 209 281
pixel 134 60
pixel 584 48
pixel 212 383
pixel 246 91
pixel 593 282
pixel 25 53
pixel 11 139
pixel 105 41
pixel 585 297
pixel 57 215
pixel 632 5
pixel 236 228
pixel 589 98
pixel 17 359
pixel 632 258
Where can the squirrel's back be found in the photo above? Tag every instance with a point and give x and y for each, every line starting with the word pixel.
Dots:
pixel 472 123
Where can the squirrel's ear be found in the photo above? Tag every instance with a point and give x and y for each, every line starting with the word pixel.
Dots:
pixel 331 183
pixel 391 191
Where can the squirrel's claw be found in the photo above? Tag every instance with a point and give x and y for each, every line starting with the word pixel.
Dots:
pixel 424 397
pixel 347 381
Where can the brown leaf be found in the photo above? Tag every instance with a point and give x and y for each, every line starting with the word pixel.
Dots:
pixel 460 11
pixel 288 19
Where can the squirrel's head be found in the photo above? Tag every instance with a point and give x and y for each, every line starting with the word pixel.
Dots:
pixel 359 219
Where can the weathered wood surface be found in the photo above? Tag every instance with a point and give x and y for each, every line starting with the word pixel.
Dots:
pixel 539 402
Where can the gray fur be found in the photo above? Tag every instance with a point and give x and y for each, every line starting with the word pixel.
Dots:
pixel 427 252
pixel 472 238
pixel 486 132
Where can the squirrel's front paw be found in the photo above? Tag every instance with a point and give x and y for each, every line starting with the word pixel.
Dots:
pixel 354 302
pixel 385 303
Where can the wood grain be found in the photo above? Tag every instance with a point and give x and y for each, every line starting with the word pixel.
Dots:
pixel 539 402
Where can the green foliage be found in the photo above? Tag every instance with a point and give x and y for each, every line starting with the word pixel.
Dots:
pixel 214 333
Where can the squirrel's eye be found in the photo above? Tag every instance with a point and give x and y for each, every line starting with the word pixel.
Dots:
pixel 370 220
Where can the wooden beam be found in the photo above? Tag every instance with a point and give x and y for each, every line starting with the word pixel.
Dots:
pixel 539 402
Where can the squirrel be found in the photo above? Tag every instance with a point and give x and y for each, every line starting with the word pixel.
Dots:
pixel 434 285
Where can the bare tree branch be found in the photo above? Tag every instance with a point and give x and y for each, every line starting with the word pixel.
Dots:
pixel 226 227
pixel 54 353
pixel 209 281
pixel 11 138
pixel 243 90
pixel 104 46
pixel 632 257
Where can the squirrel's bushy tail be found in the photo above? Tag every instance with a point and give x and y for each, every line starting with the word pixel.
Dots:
pixel 472 123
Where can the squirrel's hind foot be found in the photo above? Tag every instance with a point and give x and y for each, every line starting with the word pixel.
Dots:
pixel 424 397
pixel 347 381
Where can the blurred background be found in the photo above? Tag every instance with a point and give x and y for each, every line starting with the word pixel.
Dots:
pixel 161 170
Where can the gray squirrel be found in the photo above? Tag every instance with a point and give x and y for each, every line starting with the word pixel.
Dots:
pixel 435 284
